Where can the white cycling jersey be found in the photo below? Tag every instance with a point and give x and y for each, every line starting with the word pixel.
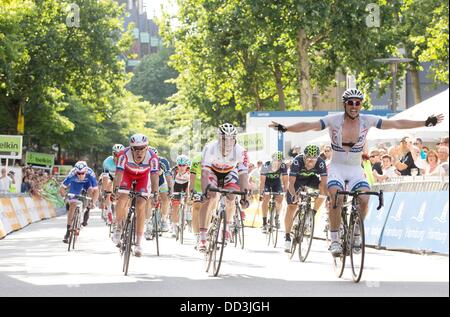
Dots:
pixel 346 166
pixel 334 123
pixel 214 160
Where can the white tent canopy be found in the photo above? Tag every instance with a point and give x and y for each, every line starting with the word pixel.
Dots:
pixel 434 105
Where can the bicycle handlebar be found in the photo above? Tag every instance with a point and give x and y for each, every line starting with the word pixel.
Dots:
pixel 224 191
pixel 79 197
pixel 357 194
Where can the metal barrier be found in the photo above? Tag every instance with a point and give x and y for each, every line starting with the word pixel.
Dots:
pixel 414 184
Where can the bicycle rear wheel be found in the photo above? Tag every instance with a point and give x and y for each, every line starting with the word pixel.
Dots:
pixel 272 234
pixel 306 235
pixel 219 243
pixel 295 234
pixel 357 252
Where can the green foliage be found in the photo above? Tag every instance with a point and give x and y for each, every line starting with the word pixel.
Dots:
pixel 152 77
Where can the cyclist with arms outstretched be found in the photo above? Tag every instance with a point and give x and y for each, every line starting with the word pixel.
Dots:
pixel 348 132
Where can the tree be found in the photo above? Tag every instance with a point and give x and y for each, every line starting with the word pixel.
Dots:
pixel 152 77
pixel 239 56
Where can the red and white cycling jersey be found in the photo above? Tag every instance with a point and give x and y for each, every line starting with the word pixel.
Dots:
pixel 180 178
pixel 214 160
pixel 126 163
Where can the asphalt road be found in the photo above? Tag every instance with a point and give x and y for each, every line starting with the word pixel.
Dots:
pixel 35 262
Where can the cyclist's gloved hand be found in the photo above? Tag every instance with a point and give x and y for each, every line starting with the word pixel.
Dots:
pixel 244 203
pixel 431 121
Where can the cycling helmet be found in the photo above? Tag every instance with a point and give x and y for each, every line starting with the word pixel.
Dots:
pixel 138 139
pixel 117 148
pixel 277 156
pixel 227 130
pixel 81 167
pixel 183 160
pixel 154 150
pixel 352 93
pixel 312 151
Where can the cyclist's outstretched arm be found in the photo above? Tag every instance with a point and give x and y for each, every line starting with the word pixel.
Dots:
pixel 298 127
pixel 410 124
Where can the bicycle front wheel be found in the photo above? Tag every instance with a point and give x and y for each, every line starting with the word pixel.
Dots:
pixel 156 226
pixel 128 241
pixel 357 246
pixel 73 228
pixel 181 221
pixel 306 235
pixel 219 243
pixel 240 228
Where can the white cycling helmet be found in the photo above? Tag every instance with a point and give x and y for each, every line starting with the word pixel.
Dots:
pixel 117 148
pixel 352 93
pixel 227 130
pixel 138 139
pixel 81 167
pixel 183 160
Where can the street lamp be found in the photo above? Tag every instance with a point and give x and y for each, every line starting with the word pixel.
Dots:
pixel 393 65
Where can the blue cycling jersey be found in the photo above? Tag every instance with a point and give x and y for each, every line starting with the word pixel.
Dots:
pixel 109 166
pixel 76 185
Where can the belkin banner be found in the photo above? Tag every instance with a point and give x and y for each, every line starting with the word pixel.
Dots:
pixel 11 146
pixel 418 221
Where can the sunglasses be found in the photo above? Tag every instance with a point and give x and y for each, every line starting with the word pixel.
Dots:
pixel 310 158
pixel 353 103
pixel 138 148
pixel 372 156
pixel 182 165
pixel 81 173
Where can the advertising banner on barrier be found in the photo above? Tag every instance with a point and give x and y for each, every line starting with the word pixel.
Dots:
pixel 376 219
pixel 35 158
pixel 418 221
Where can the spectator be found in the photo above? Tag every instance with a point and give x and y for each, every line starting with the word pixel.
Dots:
pixel 419 144
pixel 375 161
pixel 406 162
pixel 12 187
pixel 5 182
pixel 382 151
pixel 394 153
pixel 388 171
pixel 430 166
pixel 442 153
pixel 253 177
pixel 444 142
pixel 296 150
pixel 327 154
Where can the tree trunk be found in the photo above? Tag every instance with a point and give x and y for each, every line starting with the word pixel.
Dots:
pixel 416 85
pixel 257 97
pixel 303 68
pixel 279 84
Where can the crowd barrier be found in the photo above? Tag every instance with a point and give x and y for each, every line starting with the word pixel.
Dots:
pixel 18 211
pixel 414 216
